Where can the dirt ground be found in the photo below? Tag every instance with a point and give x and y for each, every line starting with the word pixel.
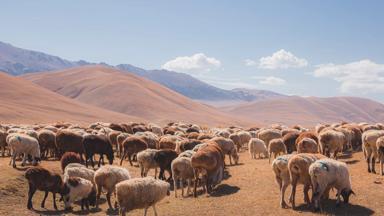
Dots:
pixel 250 189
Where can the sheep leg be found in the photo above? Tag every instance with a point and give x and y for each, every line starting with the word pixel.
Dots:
pixel 82 204
pixel 189 186
pixel 161 174
pixel 98 195
pixel 145 211
pixel 306 196
pixel 130 160
pixel 154 209
pixel 31 191
pixel 373 161
pixel 269 159
pixel 45 197
pixel 381 164
pixel 109 200
pixel 175 186
pixel 122 158
pixel 195 183
pixel 282 190
pixel 182 187
pixel 142 170
pixel 54 200
pixel 368 161
pixel 122 211
pixel 24 160
pixel 230 159
pixel 101 158
pixel 293 192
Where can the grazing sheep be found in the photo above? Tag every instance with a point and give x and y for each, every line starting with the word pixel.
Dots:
pixel 331 141
pixel 79 189
pixel 3 141
pixel 257 146
pixel 97 144
pixel 198 146
pixel 289 130
pixel 164 158
pixel 188 144
pixel 298 167
pixel 69 157
pixel 42 179
pixel 269 134
pixel 244 136
pixel 132 146
pixel 156 129
pixel 380 151
pixel 289 140
pixel 356 134
pixel 140 193
pixel 204 136
pixel 120 139
pixel 369 139
pixel 168 142
pixel 236 140
pixel 193 135
pixel 209 161
pixel 112 137
pixel 69 141
pixel 280 168
pixel 106 177
pixel 146 160
pixel 326 174
pixel 23 144
pixel 47 142
pixel 182 170
pixel 307 145
pixel 227 147
pixel 78 170
pixel 307 134
pixel 150 138
pixel 276 147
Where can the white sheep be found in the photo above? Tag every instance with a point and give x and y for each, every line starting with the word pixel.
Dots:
pixel 146 161
pixel 23 144
pixel 138 193
pixel 257 146
pixel 182 170
pixel 79 189
pixel 78 170
pixel 280 168
pixel 326 174
pixel 369 139
pixel 106 177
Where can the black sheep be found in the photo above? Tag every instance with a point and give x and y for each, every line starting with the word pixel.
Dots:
pixel 164 159
pixel 97 144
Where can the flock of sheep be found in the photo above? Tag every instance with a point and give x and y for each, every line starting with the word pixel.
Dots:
pixel 189 154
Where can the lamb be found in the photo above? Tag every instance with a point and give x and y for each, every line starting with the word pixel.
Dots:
pixel 326 174
pixel 164 158
pixel 280 168
pixel 228 147
pixel 23 144
pixel 289 140
pixel 369 139
pixel 257 146
pixel 47 142
pixel 307 145
pixel 276 147
pixel 182 170
pixel 146 160
pixel 69 157
pixel 269 134
pixel 380 151
pixel 298 167
pixel 331 141
pixel 140 193
pixel 97 144
pixel 106 177
pixel 69 141
pixel 42 179
pixel 79 189
pixel 209 161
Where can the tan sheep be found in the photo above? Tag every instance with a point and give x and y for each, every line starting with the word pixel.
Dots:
pixel 380 151
pixel 369 139
pixel 276 147
pixel 331 142
pixel 269 134
pixel 307 145
pixel 280 168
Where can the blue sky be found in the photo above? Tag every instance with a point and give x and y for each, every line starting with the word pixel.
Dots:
pixel 309 48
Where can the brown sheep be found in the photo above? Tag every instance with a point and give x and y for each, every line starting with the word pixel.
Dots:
pixel 3 141
pixel 69 141
pixel 228 148
pixel 209 161
pixel 269 134
pixel 204 136
pixel 307 145
pixel 112 136
pixel 308 134
pixel 69 157
pixel 193 135
pixel 47 142
pixel 276 147
pixel 298 167
pixel 236 140
pixel 289 140
pixel 132 146
pixel 42 179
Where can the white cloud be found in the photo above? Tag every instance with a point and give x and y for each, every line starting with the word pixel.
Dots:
pixel 270 80
pixel 198 62
pixel 363 76
pixel 281 60
pixel 250 62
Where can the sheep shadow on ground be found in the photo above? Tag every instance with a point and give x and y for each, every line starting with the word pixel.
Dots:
pixel 223 190
pixel 352 161
pixel 346 155
pixel 51 212
pixel 330 208
pixel 22 168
